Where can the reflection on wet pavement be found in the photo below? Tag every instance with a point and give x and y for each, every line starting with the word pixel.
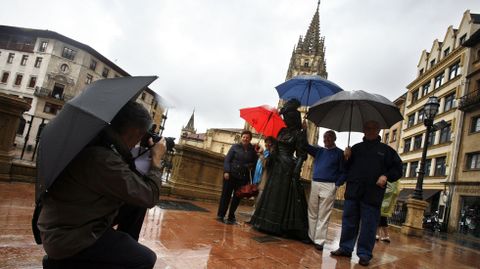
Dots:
pixel 194 239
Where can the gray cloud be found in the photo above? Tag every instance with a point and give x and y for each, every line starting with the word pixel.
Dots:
pixel 219 56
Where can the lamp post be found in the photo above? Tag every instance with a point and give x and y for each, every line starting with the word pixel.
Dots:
pixel 415 204
pixel 430 110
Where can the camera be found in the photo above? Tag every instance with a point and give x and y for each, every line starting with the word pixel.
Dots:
pixel 169 141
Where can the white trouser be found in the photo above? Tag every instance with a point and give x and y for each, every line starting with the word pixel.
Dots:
pixel 320 203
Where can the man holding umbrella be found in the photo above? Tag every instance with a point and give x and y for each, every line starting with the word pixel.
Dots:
pixel 370 164
pixel 98 189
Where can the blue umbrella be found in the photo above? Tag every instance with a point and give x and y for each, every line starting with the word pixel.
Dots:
pixel 307 89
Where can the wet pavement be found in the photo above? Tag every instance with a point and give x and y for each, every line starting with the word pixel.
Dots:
pixel 187 237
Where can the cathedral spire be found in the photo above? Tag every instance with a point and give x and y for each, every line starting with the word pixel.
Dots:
pixel 312 38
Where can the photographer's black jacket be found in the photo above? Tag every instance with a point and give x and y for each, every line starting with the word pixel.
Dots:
pixel 239 162
pixel 370 160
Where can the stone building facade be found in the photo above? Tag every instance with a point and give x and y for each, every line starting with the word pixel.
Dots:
pixel 47 69
pixel 465 185
pixel 441 73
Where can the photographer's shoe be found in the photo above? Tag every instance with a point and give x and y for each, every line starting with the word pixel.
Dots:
pixel 231 221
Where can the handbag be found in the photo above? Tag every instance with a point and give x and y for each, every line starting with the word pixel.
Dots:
pixel 248 190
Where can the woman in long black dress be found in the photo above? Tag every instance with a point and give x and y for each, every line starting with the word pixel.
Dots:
pixel 282 209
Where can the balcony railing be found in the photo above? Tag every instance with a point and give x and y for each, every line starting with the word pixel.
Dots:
pixel 47 93
pixel 470 100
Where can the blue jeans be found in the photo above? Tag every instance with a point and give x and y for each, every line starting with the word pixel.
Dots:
pixel 359 220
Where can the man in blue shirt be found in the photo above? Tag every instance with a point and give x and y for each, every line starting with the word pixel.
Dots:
pixel 328 174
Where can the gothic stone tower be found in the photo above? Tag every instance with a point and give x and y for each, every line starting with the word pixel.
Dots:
pixel 308 58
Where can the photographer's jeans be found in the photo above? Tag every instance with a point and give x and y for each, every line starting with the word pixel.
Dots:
pixel 115 248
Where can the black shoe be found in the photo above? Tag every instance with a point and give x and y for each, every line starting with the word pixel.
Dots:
pixel 340 252
pixel 307 241
pixel 319 247
pixel 219 219
pixel 364 261
pixel 231 221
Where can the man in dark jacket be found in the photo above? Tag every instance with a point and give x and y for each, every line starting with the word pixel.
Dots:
pixel 98 190
pixel 237 167
pixel 370 164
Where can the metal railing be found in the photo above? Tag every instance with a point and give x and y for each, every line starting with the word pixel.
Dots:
pixel 28 137
pixel 48 93
pixel 469 100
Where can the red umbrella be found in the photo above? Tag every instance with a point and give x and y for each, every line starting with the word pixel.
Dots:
pixel 264 119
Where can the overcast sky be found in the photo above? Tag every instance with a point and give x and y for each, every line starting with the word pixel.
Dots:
pixel 219 56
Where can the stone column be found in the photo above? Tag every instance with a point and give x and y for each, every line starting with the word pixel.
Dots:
pixel 414 223
pixel 11 109
pixel 197 173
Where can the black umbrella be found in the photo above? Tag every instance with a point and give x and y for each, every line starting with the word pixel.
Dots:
pixel 80 120
pixel 349 110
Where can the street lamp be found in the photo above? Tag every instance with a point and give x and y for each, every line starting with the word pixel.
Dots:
pixel 430 110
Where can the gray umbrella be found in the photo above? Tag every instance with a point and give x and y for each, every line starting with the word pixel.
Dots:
pixel 80 120
pixel 349 110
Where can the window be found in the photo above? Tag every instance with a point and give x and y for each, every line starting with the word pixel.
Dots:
pixel 438 81
pixel 10 58
pixel 386 137
pixel 432 63
pixel 428 165
pixel 425 88
pixel 407 142
pixel 449 102
pixel 57 91
pixel 64 68
pixel 43 46
pixel 404 169
pixel 89 79
pixel 18 79
pixel 445 134
pixel 413 169
pixel 105 72
pixel 394 135
pixel 417 141
pixel 68 53
pixel 473 161
pixel 421 115
pixel 143 95
pixel 24 60
pixel 420 72
pixel 431 138
pixel 305 64
pixel 411 120
pixel 32 82
pixel 454 70
pixel 446 52
pixel 463 38
pixel 51 108
pixel 93 64
pixel 474 127
pixel 414 96
pixel 440 166
pixel 5 77
pixel 38 62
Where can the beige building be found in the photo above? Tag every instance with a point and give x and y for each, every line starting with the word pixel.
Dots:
pixel 218 140
pixel 465 185
pixel 441 73
pixel 47 69
pixel 393 135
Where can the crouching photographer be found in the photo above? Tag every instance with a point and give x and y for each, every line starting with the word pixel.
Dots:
pixel 100 188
